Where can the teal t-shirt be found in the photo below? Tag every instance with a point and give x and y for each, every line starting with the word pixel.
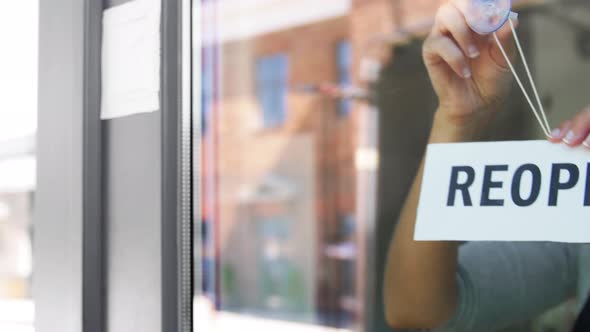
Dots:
pixel 502 283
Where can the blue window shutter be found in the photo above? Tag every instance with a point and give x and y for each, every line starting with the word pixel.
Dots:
pixel 344 54
pixel 344 61
pixel 271 86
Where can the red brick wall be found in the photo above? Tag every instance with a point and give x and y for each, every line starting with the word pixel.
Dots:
pixel 247 151
pixel 311 51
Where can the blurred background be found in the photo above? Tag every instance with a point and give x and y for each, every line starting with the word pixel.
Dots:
pixel 18 122
pixel 315 115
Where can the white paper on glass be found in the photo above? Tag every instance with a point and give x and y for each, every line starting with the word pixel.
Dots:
pixel 131 59
pixel 568 221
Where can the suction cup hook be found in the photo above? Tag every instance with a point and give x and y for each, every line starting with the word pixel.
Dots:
pixel 486 16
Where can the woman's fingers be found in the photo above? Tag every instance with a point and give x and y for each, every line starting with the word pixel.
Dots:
pixel 439 48
pixel 579 130
pixel 558 134
pixel 575 131
pixel 451 22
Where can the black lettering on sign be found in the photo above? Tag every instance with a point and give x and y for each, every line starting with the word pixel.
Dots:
pixel 556 185
pixel 587 192
pixel 535 185
pixel 462 187
pixel 488 184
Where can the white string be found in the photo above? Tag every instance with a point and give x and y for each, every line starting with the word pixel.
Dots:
pixel 541 119
pixel 528 71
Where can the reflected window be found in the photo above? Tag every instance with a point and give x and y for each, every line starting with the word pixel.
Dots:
pixel 344 61
pixel 271 87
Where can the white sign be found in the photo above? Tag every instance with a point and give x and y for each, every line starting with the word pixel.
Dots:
pixel 505 191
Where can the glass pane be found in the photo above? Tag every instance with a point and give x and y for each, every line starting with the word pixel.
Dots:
pixel 316 116
pixel 18 121
pixel 281 234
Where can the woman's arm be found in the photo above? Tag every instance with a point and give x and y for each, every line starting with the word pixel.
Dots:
pixel 420 288
pixel 471 80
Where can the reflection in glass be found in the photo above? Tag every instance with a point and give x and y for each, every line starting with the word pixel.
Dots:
pixel 278 227
pixel 294 97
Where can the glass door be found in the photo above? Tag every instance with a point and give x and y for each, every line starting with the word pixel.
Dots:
pixel 282 113
pixel 313 117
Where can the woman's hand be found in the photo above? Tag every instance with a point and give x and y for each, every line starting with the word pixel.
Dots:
pixel 575 131
pixel 468 71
